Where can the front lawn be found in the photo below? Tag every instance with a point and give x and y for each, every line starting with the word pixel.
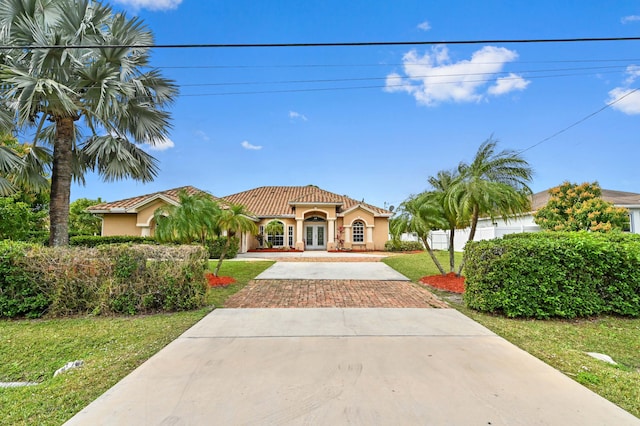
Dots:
pixel 111 347
pixel 560 343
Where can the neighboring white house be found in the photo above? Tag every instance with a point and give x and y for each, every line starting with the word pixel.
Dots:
pixel 487 229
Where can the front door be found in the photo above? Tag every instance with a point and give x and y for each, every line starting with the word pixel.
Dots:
pixel 315 239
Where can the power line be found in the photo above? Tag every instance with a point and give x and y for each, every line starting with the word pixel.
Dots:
pixel 582 120
pixel 333 44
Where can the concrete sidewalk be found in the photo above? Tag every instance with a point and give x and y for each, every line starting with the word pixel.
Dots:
pixel 346 366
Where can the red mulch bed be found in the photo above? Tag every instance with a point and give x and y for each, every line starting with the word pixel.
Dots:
pixel 219 281
pixel 449 282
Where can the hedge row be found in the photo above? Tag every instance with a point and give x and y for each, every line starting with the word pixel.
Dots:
pixel 397 245
pixel 111 279
pixel 214 247
pixel 568 275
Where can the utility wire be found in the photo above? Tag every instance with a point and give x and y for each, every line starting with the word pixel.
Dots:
pixel 582 120
pixel 336 44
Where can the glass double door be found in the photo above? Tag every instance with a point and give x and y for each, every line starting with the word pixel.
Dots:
pixel 315 237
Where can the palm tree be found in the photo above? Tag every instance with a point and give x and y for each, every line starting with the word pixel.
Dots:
pixel 233 220
pixel 49 90
pixel 493 184
pixel 193 219
pixel 454 217
pixel 419 214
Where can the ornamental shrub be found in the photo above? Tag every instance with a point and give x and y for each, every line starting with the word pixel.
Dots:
pixel 568 275
pixel 215 246
pixel 94 241
pixel 111 279
pixel 20 294
pixel 397 245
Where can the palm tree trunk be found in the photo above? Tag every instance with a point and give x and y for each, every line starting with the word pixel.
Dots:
pixel 61 182
pixel 223 254
pixel 452 260
pixel 472 233
pixel 433 256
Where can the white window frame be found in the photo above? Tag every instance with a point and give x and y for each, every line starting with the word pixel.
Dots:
pixel 357 231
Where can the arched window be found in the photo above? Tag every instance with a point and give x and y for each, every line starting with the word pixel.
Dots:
pixel 358 231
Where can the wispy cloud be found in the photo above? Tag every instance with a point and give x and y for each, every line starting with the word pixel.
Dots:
pixel 626 101
pixel 508 84
pixel 630 18
pixel 434 78
pixel 151 4
pixel 424 26
pixel 247 145
pixel 297 116
pixel 162 145
pixel 202 135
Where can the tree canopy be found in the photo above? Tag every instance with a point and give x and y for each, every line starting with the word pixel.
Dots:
pixel 91 106
pixel 574 207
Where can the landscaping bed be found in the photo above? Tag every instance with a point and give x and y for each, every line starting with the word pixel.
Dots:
pixel 450 282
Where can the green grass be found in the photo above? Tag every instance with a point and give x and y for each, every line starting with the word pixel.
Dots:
pixel 416 266
pixel 560 343
pixel 111 347
pixel 243 272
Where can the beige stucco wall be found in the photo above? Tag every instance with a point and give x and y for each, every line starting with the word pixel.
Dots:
pixel 380 232
pixel 146 213
pixel 120 224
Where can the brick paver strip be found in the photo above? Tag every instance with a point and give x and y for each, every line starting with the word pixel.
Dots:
pixel 333 294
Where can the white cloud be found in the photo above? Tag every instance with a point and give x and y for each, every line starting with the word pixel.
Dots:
pixel 508 84
pixel 630 18
pixel 247 145
pixel 151 4
pixel 297 116
pixel 162 145
pixel 434 78
pixel 625 101
pixel 424 26
pixel 202 135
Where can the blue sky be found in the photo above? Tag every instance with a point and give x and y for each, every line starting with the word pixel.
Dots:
pixel 422 109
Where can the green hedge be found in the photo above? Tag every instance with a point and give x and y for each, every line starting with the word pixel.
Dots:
pixel 568 275
pixel 397 245
pixel 215 247
pixel 94 241
pixel 111 279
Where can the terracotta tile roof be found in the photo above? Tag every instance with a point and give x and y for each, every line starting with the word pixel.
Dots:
pixel 270 201
pixel 540 199
pixel 128 203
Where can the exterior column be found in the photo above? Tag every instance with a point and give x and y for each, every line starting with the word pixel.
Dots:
pixel 331 234
pixel 370 245
pixel 145 231
pixel 299 234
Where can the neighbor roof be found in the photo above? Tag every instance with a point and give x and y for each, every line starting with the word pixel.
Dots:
pixel 272 201
pixel 131 204
pixel 619 198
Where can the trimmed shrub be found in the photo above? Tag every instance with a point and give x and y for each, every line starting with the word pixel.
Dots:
pixel 20 294
pixel 397 245
pixel 542 275
pixel 111 279
pixel 94 241
pixel 215 247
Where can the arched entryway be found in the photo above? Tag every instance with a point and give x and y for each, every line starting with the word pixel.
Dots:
pixel 315 232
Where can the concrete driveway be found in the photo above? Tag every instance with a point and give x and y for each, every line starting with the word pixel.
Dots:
pixel 346 366
pixel 331 271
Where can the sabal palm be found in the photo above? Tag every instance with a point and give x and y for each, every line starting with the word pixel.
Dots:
pixel 235 219
pixel 420 214
pixel 110 90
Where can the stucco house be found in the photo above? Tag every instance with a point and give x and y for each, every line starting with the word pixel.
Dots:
pixel 311 218
pixel 524 223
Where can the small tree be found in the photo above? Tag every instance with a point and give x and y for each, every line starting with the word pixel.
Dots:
pixel 575 207
pixel 81 222
pixel 233 220
pixel 19 221
pixel 193 219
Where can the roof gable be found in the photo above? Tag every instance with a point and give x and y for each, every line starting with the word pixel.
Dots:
pixel 273 201
pixel 131 205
